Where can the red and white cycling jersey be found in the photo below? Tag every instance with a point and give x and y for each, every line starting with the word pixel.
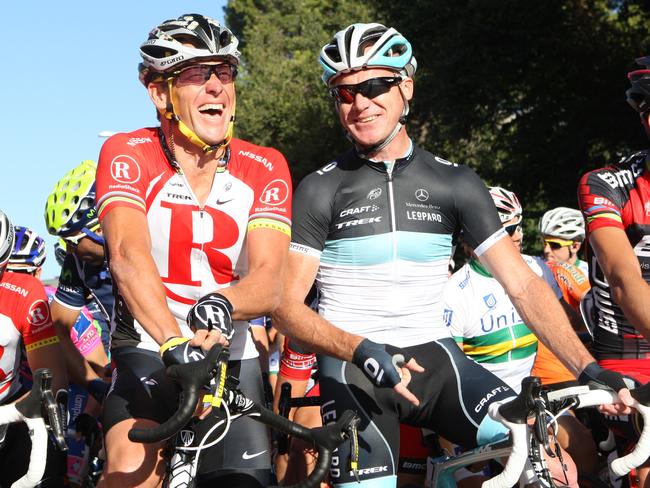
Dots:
pixel 25 324
pixel 197 249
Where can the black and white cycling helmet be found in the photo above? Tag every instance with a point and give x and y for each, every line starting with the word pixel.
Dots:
pixel 177 42
pixel 506 202
pixel 563 223
pixel 367 46
pixel 28 253
pixel 6 241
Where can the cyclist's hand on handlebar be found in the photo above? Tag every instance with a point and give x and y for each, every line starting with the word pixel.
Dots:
pixel 211 320
pixel 178 350
pixel 387 366
pixel 595 374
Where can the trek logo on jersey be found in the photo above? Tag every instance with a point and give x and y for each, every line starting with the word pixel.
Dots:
pixel 490 300
pixel 352 223
pixel 39 313
pixel 275 193
pixel 125 169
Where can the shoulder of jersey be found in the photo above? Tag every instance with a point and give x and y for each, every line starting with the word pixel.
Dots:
pixel 139 137
pixel 26 282
pixel 534 262
pixel 245 150
pixel 461 277
pixel 634 162
pixel 433 159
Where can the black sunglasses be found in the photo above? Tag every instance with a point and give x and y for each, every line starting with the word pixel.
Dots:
pixel 197 74
pixel 512 228
pixel 370 88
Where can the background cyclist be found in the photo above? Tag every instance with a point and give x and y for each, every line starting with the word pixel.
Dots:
pixel 84 280
pixel 563 231
pixel 28 257
pixel 615 201
pixel 26 328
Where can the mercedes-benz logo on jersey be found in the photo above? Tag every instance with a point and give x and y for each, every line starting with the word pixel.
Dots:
pixel 421 194
pixel 187 437
pixel 374 194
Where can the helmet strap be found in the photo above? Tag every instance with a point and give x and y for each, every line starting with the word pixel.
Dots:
pixel 170 114
pixel 364 152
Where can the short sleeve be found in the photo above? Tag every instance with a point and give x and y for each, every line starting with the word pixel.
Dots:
pixel 479 218
pixel 120 179
pixel 599 201
pixel 312 215
pixel 272 193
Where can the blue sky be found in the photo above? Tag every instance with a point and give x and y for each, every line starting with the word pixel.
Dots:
pixel 70 72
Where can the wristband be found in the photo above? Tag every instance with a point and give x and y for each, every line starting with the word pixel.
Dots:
pixel 171 342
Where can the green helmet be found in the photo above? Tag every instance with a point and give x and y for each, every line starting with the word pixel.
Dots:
pixel 71 205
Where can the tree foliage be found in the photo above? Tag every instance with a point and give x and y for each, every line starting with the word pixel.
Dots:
pixel 530 94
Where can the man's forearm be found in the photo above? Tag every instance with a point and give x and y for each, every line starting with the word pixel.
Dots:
pixel 141 288
pixel 309 329
pixel 541 310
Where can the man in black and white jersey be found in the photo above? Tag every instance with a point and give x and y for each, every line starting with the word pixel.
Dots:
pixel 376 228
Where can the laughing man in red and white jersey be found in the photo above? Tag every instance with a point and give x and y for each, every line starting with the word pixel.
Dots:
pixel 197 226
pixel 25 325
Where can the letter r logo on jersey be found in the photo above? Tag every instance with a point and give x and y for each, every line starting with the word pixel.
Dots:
pixel 125 169
pixel 275 193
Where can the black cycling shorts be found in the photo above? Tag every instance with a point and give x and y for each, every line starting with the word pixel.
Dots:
pixel 454 393
pixel 141 389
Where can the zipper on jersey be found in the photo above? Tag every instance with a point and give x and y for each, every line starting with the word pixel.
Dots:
pixel 393 225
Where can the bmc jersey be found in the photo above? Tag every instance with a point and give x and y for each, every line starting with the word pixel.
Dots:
pixel 482 318
pixel 384 238
pixel 25 324
pixel 197 249
pixel 617 196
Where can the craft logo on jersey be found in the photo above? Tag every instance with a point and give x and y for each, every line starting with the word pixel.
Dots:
pixel 490 300
pixel 275 193
pixel 422 195
pixel 39 313
pixel 125 169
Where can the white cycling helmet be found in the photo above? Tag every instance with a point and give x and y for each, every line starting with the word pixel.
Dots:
pixel 345 52
pixel 506 202
pixel 6 241
pixel 373 45
pixel 178 42
pixel 563 223
pixel 191 37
